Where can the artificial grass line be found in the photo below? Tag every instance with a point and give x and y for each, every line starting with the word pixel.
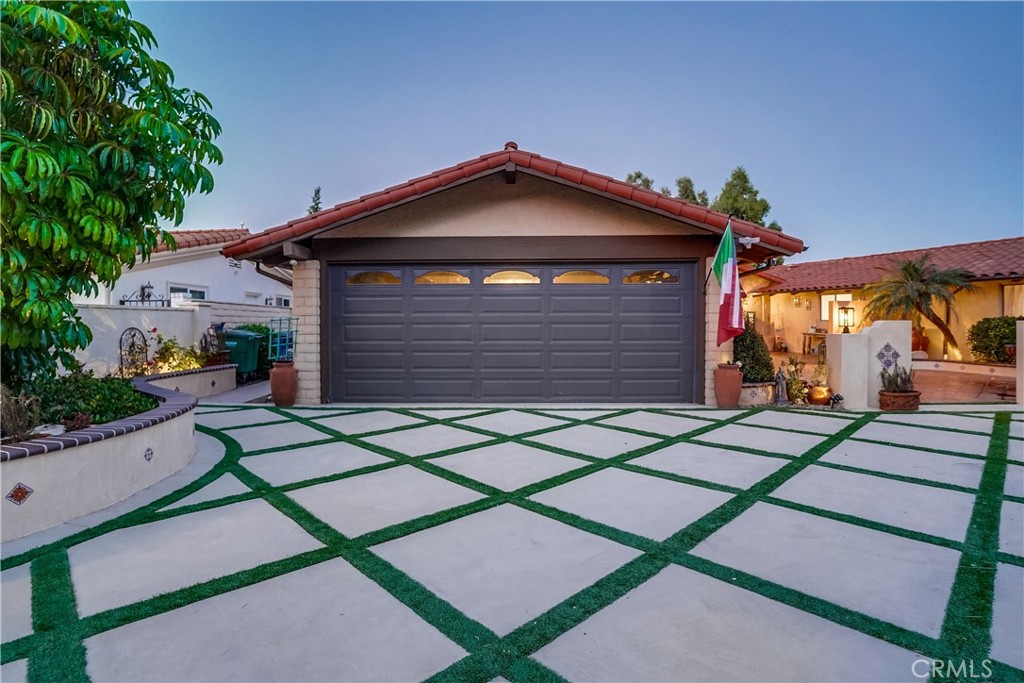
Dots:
pixel 59 654
pixel 897 477
pixel 966 628
pixel 922 449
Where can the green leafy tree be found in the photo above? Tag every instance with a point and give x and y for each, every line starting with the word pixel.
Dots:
pixel 686 191
pixel 98 146
pixel 314 205
pixel 740 198
pixel 912 290
pixel 640 180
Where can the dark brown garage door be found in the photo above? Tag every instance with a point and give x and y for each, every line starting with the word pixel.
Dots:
pixel 551 333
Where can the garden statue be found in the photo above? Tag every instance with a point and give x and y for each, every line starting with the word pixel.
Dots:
pixel 781 392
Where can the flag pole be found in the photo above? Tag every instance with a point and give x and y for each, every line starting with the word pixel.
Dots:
pixel 708 276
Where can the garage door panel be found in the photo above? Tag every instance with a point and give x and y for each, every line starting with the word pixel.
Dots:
pixel 581 304
pixel 432 388
pixel 424 332
pixel 651 388
pixel 652 304
pixel 359 332
pixel 570 360
pixel 498 389
pixel 651 331
pixel 441 359
pixel 424 305
pixel 511 304
pixel 581 332
pixel 576 388
pixel 375 387
pixel 354 360
pixel 515 332
pixel 651 359
pixel 373 305
pixel 512 359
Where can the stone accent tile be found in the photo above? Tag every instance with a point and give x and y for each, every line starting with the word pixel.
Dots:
pixel 656 423
pixel 236 418
pixel 1011 528
pixel 921 436
pixel 426 440
pixel 508 466
pixel 799 420
pixel 325 622
pixel 275 436
pixel 684 626
pixel 221 487
pixel 139 562
pixel 16 606
pixel 594 441
pixel 512 422
pixel 895 579
pixel 1008 615
pixel 772 440
pixel 981 425
pixel 372 421
pixel 907 462
pixel 299 464
pixel 915 507
pixel 504 566
pixel 357 505
pixel 640 504
pixel 709 463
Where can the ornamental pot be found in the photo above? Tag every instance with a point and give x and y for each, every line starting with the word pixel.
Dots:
pixel 728 383
pixel 899 400
pixel 819 396
pixel 284 383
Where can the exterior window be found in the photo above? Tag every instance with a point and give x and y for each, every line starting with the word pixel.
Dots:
pixel 581 277
pixel 284 301
pixel 827 299
pixel 373 277
pixel 1013 300
pixel 511 277
pixel 187 291
pixel 442 277
pixel 649 277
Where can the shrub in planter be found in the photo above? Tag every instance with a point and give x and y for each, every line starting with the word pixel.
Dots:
pixel 19 415
pixel 989 338
pixel 101 399
pixel 751 352
pixel 897 392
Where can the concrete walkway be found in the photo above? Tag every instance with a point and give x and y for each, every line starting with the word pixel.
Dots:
pixel 587 544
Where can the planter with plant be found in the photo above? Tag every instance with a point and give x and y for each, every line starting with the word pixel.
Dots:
pixel 751 353
pixel 897 392
pixel 818 391
pixel 796 387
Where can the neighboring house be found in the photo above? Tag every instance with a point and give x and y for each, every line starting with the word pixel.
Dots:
pixel 787 301
pixel 510 277
pixel 197 270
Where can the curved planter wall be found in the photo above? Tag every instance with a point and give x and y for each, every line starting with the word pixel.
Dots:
pixel 50 481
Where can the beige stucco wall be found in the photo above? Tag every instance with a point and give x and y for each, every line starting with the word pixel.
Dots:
pixel 529 208
pixel 306 307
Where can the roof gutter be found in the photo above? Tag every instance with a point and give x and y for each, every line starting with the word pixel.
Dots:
pixel 272 276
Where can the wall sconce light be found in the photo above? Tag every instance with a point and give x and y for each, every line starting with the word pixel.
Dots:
pixel 749 317
pixel 796 301
pixel 844 317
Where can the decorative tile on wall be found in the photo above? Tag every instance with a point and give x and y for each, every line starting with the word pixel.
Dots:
pixel 19 494
pixel 888 356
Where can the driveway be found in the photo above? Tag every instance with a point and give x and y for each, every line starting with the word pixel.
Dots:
pixel 548 544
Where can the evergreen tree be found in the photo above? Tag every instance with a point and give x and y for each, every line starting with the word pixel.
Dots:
pixel 315 203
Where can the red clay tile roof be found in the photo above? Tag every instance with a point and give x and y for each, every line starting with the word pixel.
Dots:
pixel 776 242
pixel 995 259
pixel 186 239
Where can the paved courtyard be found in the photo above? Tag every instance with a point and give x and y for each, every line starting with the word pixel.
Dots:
pixel 547 544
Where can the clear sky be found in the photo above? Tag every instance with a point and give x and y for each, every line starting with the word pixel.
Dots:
pixel 870 127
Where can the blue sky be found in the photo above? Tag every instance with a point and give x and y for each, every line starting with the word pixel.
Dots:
pixel 870 127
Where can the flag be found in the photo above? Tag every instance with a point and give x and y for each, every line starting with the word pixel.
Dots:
pixel 730 317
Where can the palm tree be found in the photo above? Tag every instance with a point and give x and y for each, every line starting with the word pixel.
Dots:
pixel 911 290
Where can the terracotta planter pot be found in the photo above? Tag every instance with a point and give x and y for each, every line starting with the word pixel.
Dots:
pixel 899 400
pixel 728 383
pixel 284 383
pixel 819 396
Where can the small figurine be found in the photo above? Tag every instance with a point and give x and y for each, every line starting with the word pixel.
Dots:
pixel 781 393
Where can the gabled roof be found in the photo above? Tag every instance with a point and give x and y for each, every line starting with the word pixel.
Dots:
pixel 991 260
pixel 510 160
pixel 187 239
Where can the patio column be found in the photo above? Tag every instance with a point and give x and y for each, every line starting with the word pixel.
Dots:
pixel 713 353
pixel 1020 362
pixel 855 360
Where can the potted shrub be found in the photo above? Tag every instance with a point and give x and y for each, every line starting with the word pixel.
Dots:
pixel 728 384
pixel 897 392
pixel 751 353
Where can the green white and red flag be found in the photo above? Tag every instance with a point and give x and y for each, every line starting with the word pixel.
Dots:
pixel 730 316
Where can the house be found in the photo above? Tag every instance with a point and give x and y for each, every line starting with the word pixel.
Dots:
pixel 198 271
pixel 795 304
pixel 510 277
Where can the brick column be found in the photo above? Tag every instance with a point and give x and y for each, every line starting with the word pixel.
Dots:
pixel 713 353
pixel 306 307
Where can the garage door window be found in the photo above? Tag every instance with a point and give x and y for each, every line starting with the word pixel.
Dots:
pixel 581 277
pixel 649 277
pixel 511 277
pixel 373 277
pixel 441 277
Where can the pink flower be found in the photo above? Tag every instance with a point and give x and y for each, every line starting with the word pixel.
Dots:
pixel 153 330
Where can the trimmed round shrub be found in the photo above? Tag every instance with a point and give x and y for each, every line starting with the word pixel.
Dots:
pixel 989 336
pixel 751 351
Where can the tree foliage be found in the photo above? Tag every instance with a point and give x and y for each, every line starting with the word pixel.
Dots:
pixel 989 337
pixel 314 204
pixel 98 145
pixel 751 351
pixel 741 199
pixel 640 180
pixel 912 289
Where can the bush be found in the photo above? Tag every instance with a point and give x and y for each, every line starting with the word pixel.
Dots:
pixel 989 336
pixel 750 350
pixel 102 399
pixel 263 363
pixel 19 415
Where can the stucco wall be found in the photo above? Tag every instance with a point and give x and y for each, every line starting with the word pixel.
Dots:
pixel 212 271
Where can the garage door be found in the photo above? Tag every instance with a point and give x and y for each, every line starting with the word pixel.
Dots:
pixel 588 333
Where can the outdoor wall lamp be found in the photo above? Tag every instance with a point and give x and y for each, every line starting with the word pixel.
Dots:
pixel 844 317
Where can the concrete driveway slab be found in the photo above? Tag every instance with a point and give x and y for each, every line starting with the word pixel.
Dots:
pixel 771 440
pixel 275 436
pixel 1008 615
pixel 504 566
pixel 368 502
pixel 684 626
pixel 655 423
pixel 578 414
pixel 300 464
pixel 597 442
pixel 637 503
pixel 1014 484
pixel 710 463
pixel 974 444
pixel 221 487
pixel 508 466
pixel 447 414
pixel 806 422
pixel 136 563
pixel 1011 528
pixel 968 423
pixel 237 418
pixel 426 440
pixel 338 626
pixel 16 605
pixel 907 462
pixel 511 422
pixel 899 580
pixel 372 421
pixel 14 672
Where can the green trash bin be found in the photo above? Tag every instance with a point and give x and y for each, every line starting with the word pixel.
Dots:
pixel 244 347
